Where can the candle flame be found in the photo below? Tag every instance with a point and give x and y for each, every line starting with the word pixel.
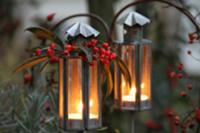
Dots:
pixel 80 107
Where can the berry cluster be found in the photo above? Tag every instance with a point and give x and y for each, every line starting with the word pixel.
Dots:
pixel 98 51
pixel 178 75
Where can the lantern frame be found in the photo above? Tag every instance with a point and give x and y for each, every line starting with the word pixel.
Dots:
pixel 86 123
pixel 136 75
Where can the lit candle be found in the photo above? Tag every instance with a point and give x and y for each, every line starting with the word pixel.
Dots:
pixel 79 112
pixel 131 97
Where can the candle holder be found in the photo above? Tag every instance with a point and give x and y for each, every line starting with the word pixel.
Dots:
pixel 79 85
pixel 79 95
pixel 136 53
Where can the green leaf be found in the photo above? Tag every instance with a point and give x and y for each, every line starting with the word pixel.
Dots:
pixel 30 62
pixel 86 52
pixel 123 68
pixel 109 80
pixel 43 33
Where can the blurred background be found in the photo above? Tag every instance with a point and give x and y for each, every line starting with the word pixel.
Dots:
pixel 168 30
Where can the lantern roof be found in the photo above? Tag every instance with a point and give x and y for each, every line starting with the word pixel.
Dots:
pixel 134 18
pixel 83 29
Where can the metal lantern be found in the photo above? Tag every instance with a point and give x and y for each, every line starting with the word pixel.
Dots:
pixel 136 53
pixel 79 87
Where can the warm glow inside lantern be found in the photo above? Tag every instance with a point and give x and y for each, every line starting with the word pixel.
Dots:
pixel 138 95
pixel 79 94
pixel 136 54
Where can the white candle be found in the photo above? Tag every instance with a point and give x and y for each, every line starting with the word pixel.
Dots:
pixel 78 115
pixel 131 97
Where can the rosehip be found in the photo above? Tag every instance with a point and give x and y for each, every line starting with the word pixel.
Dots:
pixel 180 75
pixel 113 56
pixel 197 115
pixel 49 52
pixel 50 16
pixel 96 49
pixel 52 46
pixel 47 107
pixel 172 74
pixel 105 45
pixel 108 53
pixel 189 86
pixel 93 42
pixel 66 53
pixel 27 78
pixel 54 59
pixel 85 58
pixel 68 47
pixel 183 94
pixel 102 60
pixel 102 51
pixel 180 67
pixel 38 51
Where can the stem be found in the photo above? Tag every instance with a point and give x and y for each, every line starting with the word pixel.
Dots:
pixel 132 123
pixel 179 8
pixel 198 129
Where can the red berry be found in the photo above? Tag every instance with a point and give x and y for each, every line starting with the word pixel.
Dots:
pixel 27 78
pixel 49 52
pixel 180 67
pixel 54 59
pixel 172 74
pixel 102 51
pixel 180 75
pixel 85 58
pixel 192 37
pixel 197 115
pixel 47 107
pixel 50 16
pixel 52 46
pixel 68 47
pixel 153 125
pixel 96 49
pixel 113 56
pixel 108 53
pixel 66 52
pixel 105 45
pixel 93 42
pixel 38 51
pixel 183 94
pixel 189 86
pixel 102 60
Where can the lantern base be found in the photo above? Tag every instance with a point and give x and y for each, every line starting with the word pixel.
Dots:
pixel 132 106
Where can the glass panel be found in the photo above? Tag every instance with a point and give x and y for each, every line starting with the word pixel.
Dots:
pixel 128 56
pixel 94 97
pixel 61 103
pixel 146 74
pixel 75 103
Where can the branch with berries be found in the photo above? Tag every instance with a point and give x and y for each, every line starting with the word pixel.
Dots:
pixel 88 49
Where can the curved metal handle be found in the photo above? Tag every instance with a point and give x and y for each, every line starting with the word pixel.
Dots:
pixel 181 9
pixel 94 16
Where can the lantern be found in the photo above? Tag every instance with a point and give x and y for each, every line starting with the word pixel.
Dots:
pixel 79 87
pixel 136 54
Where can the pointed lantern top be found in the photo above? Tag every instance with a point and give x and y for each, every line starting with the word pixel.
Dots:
pixel 134 18
pixel 82 29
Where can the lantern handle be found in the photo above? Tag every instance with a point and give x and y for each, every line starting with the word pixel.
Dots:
pixel 90 15
pixel 179 8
